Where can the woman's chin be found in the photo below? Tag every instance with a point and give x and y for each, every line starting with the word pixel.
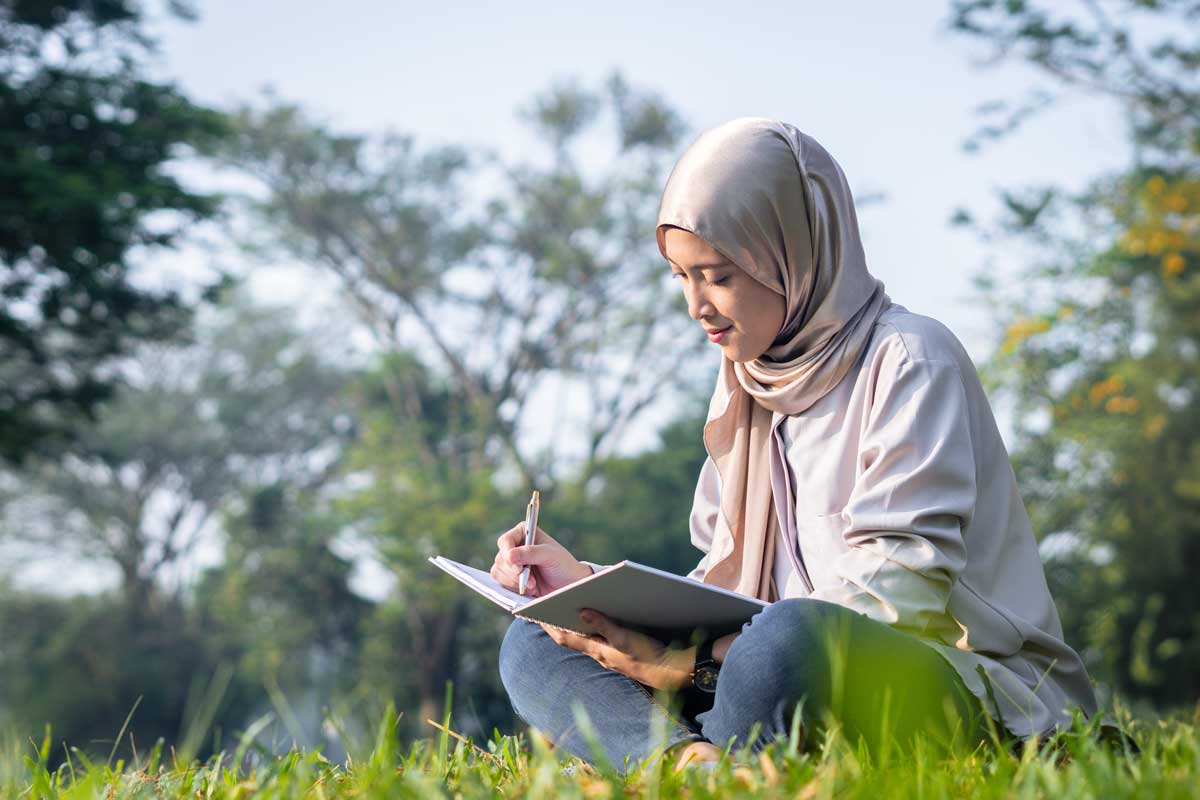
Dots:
pixel 735 354
pixel 738 354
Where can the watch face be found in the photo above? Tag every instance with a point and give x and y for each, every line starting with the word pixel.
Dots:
pixel 706 679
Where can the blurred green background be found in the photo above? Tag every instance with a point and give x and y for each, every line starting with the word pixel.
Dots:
pixel 262 355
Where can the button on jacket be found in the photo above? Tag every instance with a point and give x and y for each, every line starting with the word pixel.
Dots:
pixel 896 498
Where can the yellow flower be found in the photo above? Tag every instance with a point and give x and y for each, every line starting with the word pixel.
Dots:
pixel 1122 405
pixel 1156 185
pixel 1175 202
pixel 1157 242
pixel 1024 328
pixel 1066 312
pixel 1110 386
pixel 1154 426
pixel 1172 264
pixel 1020 330
pixel 1132 243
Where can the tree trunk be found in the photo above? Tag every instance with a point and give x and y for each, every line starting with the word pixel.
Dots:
pixel 135 591
pixel 438 667
pixel 429 708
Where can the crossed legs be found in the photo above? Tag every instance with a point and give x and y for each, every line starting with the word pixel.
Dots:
pixel 833 664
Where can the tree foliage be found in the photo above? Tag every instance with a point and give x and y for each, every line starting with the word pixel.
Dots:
pixel 77 664
pixel 522 329
pixel 1100 352
pixel 85 146
pixel 229 439
pixel 196 424
pixel 637 507
pixel 549 283
pixel 1142 53
pixel 280 610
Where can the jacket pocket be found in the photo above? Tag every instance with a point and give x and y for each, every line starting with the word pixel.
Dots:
pixel 821 540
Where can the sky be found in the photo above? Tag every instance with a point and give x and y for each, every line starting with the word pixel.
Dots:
pixel 879 84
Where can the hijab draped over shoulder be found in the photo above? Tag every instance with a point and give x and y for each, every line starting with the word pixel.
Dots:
pixel 774 202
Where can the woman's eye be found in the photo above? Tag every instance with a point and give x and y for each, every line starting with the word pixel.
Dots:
pixel 717 282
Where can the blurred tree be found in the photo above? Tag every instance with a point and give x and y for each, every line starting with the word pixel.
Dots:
pixel 85 143
pixel 280 608
pixel 559 279
pixel 526 339
pixel 419 501
pixel 247 422
pixel 424 495
pixel 637 507
pixel 1142 53
pixel 76 664
pixel 1100 355
pixel 250 404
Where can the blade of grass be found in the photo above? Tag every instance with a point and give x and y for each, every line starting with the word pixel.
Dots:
pixel 124 727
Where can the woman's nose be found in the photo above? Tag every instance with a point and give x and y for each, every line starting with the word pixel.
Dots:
pixel 698 305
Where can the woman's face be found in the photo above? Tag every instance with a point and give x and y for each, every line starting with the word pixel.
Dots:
pixel 737 312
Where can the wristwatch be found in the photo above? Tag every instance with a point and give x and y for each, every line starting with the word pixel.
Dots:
pixel 704 674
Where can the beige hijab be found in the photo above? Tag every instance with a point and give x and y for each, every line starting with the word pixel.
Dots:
pixel 773 201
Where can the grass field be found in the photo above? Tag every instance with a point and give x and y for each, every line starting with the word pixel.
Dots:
pixel 448 765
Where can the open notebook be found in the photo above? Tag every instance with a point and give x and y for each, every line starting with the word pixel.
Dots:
pixel 666 606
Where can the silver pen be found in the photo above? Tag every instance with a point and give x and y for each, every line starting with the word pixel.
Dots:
pixel 531 514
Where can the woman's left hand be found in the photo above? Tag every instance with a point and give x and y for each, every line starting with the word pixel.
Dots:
pixel 636 655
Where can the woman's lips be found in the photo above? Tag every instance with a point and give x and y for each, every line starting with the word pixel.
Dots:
pixel 718 335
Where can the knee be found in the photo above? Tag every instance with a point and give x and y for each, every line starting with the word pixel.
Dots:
pixel 790 640
pixel 799 623
pixel 777 664
pixel 519 651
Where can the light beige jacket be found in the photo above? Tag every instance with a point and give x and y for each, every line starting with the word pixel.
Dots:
pixel 897 499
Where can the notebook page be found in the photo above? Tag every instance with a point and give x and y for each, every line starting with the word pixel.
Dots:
pixel 481 582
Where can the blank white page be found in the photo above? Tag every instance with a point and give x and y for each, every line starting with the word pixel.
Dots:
pixel 481 582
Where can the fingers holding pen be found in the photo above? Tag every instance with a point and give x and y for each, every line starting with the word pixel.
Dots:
pixel 511 537
pixel 531 554
pixel 551 563
pixel 508 575
pixel 506 570
pixel 515 537
pixel 502 567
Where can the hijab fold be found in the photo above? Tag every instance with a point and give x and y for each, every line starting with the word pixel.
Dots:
pixel 772 200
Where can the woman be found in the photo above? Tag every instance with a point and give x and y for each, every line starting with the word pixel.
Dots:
pixel 855 479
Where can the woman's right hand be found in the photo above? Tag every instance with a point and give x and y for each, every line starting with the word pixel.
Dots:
pixel 553 565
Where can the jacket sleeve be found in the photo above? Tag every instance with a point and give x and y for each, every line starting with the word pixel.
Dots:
pixel 913 496
pixel 706 504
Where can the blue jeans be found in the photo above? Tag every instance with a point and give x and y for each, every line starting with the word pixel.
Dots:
pixel 831 664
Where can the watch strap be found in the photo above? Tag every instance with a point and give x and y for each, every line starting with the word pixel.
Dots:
pixel 706 670
pixel 704 653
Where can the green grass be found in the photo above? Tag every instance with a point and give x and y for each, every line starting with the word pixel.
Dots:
pixel 447 765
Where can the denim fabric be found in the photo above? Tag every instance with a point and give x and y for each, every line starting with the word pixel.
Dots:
pixel 876 683
pixel 550 686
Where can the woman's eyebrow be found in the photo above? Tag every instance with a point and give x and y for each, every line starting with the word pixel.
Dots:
pixel 713 265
